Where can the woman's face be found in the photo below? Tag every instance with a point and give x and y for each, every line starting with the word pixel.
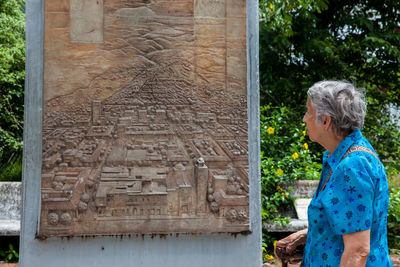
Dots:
pixel 314 129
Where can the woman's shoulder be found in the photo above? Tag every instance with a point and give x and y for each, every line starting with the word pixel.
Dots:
pixel 360 150
pixel 364 160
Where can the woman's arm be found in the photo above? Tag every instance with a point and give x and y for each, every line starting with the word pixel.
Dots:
pixel 356 249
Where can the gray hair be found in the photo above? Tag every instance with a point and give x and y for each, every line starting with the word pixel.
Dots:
pixel 340 100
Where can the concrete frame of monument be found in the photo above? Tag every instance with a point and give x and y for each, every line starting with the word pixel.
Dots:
pixel 215 249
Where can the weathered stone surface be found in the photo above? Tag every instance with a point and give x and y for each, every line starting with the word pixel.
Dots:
pixel 10 208
pixel 304 188
pixel 301 206
pixel 86 21
pixel 210 8
pixel 293 226
pixel 10 200
pixel 144 117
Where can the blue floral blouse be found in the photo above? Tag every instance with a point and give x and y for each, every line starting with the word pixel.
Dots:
pixel 356 198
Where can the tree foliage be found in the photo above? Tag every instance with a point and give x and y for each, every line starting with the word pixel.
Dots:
pixel 285 158
pixel 12 72
pixel 305 41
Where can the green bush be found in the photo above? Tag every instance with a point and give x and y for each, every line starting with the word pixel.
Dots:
pixel 12 172
pixel 382 132
pixel 394 219
pixel 285 157
pixel 12 76
pixel 9 255
pixel 268 244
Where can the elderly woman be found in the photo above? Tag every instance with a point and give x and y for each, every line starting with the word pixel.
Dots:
pixel 347 216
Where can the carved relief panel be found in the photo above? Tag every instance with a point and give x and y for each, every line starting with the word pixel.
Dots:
pixel 144 117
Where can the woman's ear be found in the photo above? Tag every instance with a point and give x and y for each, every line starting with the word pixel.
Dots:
pixel 326 122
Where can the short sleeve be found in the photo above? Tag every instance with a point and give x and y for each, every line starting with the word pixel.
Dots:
pixel 349 195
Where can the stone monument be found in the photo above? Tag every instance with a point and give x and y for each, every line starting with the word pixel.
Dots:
pixel 144 117
pixel 141 135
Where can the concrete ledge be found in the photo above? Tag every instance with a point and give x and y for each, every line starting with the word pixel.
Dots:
pixel 10 208
pixel 293 226
pixel 10 227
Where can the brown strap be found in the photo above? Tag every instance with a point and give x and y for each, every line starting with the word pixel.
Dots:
pixel 351 150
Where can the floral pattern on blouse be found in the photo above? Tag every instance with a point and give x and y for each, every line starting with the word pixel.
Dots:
pixel 356 198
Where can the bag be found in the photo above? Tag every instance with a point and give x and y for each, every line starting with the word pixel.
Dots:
pixel 291 248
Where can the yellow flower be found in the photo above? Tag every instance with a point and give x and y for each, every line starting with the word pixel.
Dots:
pixel 270 130
pixel 269 257
pixel 295 155
pixel 276 241
pixel 262 248
pixel 280 172
pixel 304 133
pixel 271 6
pixel 305 146
pixel 279 188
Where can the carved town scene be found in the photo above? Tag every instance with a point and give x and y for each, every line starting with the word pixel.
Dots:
pixel 144 117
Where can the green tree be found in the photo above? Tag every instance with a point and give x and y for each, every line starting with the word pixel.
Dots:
pixel 12 72
pixel 305 41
